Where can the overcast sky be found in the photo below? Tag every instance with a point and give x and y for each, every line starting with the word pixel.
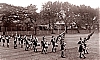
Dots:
pixel 24 3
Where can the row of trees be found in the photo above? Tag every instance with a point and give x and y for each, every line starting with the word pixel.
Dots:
pixel 65 11
pixel 50 13
pixel 82 15
pixel 16 16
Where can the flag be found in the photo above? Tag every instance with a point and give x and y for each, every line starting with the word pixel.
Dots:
pixel 90 35
pixel 60 36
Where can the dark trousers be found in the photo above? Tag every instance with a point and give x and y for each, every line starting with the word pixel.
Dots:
pixel 21 45
pixel 62 53
pixel 53 48
pixel 82 55
pixel 15 44
pixel 43 49
pixel 19 42
pixel 3 44
pixel 26 47
pixel 35 49
pixel 7 44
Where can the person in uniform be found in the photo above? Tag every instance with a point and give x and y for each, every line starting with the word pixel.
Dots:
pixel 85 46
pixel 3 39
pixel 0 39
pixel 61 41
pixel 19 39
pixel 43 44
pixel 22 39
pixel 80 41
pixel 62 49
pixel 53 43
pixel 46 46
pixel 26 44
pixel 81 49
pixel 35 44
pixel 31 38
pixel 15 41
pixel 31 42
pixel 7 39
pixel 25 39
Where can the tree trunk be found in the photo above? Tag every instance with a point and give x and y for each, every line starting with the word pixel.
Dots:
pixel 66 28
pixel 4 32
pixel 52 28
pixel 89 29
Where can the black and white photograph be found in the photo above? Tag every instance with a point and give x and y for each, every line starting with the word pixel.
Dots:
pixel 49 30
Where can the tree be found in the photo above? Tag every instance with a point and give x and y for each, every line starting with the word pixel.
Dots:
pixel 47 13
pixel 13 13
pixel 33 15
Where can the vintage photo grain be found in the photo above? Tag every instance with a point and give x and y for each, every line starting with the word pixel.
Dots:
pixel 49 30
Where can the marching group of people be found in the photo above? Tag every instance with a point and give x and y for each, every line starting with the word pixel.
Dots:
pixel 32 43
pixel 4 39
pixel 83 47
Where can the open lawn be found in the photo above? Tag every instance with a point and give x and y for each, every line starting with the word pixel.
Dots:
pixel 71 52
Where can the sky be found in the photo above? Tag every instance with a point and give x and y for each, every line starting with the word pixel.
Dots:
pixel 38 3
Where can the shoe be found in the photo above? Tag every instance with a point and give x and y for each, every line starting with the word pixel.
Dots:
pixel 36 51
pixel 63 56
pixel 41 52
pixel 45 53
pixel 80 57
pixel 87 53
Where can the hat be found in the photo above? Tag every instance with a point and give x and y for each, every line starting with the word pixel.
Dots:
pixel 80 38
pixel 52 36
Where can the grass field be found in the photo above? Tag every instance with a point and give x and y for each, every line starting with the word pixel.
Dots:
pixel 71 52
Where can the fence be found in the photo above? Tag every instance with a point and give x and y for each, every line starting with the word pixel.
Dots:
pixel 46 32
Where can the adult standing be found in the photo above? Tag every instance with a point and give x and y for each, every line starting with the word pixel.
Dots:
pixel 46 46
pixel 53 43
pixel 85 46
pixel 26 44
pixel 22 39
pixel 35 41
pixel 19 39
pixel 15 42
pixel 43 44
pixel 81 49
pixel 7 39
pixel 63 49
pixel 3 40
pixel 0 39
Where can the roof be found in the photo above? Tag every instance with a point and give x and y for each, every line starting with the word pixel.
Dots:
pixel 60 22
